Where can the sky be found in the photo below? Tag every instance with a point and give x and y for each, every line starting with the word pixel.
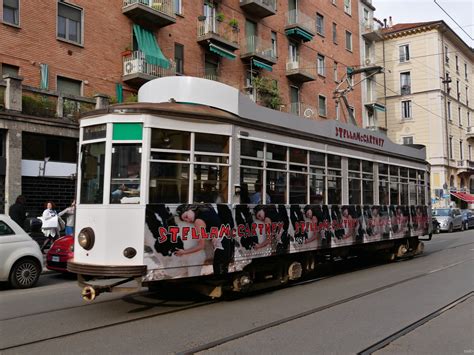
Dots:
pixel 403 11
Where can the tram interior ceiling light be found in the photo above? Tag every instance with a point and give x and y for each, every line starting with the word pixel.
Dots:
pixel 86 238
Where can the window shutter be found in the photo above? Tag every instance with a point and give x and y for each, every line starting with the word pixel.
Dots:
pixel 401 53
pixel 11 3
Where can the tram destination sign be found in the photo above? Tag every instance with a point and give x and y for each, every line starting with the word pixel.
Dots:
pixel 367 138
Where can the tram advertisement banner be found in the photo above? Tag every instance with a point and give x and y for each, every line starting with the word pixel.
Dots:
pixel 202 239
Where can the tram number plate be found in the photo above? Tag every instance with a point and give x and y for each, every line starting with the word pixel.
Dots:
pixel 55 258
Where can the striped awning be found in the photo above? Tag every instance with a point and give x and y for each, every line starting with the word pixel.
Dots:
pixel 464 196
pixel 221 51
pixel 299 32
pixel 259 64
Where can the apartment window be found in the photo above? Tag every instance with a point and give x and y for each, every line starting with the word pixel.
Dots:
pixel 459 116
pixel 469 149
pixel 295 100
pixel 322 106
pixel 347 6
pixel 468 119
pixel 451 147
pixel 178 7
pixel 179 58
pixel 405 83
pixel 406 109
pixel 458 92
pixel 274 44
pixel 449 110
pixel 9 69
pixel 404 53
pixel 320 24
pixel 349 41
pixel 456 58
pixel 11 12
pixel 467 96
pixel 321 68
pixel 446 54
pixel 366 18
pixel 407 140
pixel 334 32
pixel 70 23
pixel 337 111
pixel 465 71
pixel 367 52
pixel 334 71
pixel 352 110
pixel 461 150
pixel 68 86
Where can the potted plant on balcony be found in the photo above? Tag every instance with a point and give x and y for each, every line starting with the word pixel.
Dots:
pixel 234 24
pixel 127 51
pixel 220 17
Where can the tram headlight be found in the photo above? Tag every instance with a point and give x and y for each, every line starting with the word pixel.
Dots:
pixel 86 238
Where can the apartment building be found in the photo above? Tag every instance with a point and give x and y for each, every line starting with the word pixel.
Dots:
pixel 69 51
pixel 429 99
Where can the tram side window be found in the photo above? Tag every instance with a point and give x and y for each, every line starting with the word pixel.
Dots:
pixel 276 173
pixel 251 172
pixel 92 173
pixel 298 176
pixel 317 178
pixel 367 182
pixel 169 166
pixel 412 187
pixel 421 187
pixel 125 174
pixel 394 188
pixel 404 186
pixel 354 182
pixel 384 191
pixel 334 180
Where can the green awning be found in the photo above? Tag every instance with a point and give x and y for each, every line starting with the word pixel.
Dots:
pixel 44 76
pixel 148 45
pixel 119 92
pixel 221 51
pixel 262 65
pixel 299 32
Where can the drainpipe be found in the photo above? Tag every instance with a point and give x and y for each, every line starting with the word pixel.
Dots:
pixel 384 84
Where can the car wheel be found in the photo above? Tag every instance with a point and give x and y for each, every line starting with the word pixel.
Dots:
pixel 25 273
pixel 450 229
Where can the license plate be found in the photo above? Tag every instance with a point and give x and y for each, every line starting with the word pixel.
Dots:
pixel 55 258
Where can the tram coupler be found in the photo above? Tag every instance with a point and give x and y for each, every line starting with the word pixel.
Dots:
pixel 90 292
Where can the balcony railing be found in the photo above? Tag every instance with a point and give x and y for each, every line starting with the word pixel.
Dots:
pixel 135 67
pixel 212 29
pixel 154 12
pixel 405 89
pixel 300 70
pixel 296 18
pixel 255 46
pixel 470 131
pixel 465 164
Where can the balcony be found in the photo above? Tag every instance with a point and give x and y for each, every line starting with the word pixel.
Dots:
pixel 150 13
pixel 259 51
pixel 211 31
pixel 470 132
pixel 136 70
pixel 259 8
pixel 465 166
pixel 300 71
pixel 371 31
pixel 299 26
pixel 405 90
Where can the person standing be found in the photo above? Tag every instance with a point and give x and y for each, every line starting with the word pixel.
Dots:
pixel 70 212
pixel 50 226
pixel 18 211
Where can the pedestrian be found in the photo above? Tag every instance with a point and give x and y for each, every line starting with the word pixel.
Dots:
pixel 50 227
pixel 18 211
pixel 70 212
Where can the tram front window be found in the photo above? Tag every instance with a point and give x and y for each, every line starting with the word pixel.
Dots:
pixel 125 174
pixel 92 173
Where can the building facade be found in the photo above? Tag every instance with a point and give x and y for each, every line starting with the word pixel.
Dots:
pixel 429 98
pixel 288 55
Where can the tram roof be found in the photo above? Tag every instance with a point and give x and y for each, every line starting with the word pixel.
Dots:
pixel 202 98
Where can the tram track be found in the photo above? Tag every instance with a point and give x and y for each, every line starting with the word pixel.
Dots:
pixel 309 312
pixel 345 270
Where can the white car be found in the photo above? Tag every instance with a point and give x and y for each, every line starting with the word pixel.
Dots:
pixel 21 260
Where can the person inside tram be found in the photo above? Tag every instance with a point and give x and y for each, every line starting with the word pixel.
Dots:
pixel 208 194
pixel 131 189
pixel 256 198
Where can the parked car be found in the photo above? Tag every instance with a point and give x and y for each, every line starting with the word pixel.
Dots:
pixel 467 219
pixel 449 219
pixel 21 260
pixel 60 252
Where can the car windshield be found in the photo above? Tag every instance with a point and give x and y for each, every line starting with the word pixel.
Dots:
pixel 441 212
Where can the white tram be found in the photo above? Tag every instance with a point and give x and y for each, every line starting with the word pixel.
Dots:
pixel 197 181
